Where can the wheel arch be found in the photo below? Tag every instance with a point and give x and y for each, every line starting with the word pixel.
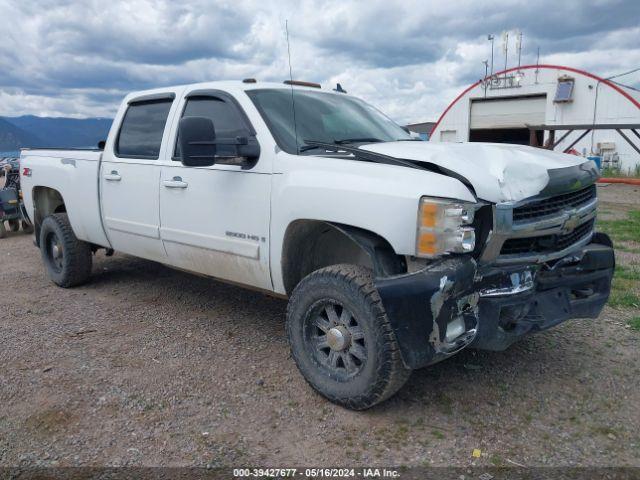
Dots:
pixel 46 201
pixel 313 244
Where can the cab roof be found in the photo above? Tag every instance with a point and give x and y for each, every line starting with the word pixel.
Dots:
pixel 225 85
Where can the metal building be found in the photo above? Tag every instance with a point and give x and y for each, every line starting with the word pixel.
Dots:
pixel 531 105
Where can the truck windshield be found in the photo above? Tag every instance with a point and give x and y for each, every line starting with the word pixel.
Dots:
pixel 322 117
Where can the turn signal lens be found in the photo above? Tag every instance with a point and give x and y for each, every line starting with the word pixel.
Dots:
pixel 443 227
pixel 427 243
pixel 429 215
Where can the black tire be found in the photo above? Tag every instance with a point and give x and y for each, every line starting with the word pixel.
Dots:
pixel 67 259
pixel 350 381
pixel 27 227
pixel 14 225
pixel 3 230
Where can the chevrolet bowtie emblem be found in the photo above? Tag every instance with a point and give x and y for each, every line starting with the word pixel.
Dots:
pixel 572 221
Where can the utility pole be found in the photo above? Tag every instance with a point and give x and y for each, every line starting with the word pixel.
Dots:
pixel 505 47
pixel 519 48
pixel 490 37
pixel 486 79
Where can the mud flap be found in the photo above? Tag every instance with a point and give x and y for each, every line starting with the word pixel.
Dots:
pixel 421 305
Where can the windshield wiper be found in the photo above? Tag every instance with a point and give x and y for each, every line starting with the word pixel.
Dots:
pixel 305 148
pixel 343 141
pixel 317 144
pixel 312 144
pixel 365 155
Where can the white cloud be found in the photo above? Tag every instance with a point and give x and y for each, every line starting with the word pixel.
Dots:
pixel 409 58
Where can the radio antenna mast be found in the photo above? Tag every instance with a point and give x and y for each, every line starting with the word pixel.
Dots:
pixel 293 101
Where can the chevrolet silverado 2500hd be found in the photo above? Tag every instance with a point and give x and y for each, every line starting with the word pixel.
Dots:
pixel 394 253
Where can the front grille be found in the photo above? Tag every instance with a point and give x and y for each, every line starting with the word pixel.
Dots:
pixel 546 243
pixel 555 204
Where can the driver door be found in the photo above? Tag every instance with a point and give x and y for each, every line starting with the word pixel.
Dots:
pixel 215 220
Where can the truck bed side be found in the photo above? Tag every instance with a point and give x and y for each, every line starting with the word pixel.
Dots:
pixel 73 174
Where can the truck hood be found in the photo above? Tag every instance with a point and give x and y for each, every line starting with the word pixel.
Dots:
pixel 497 172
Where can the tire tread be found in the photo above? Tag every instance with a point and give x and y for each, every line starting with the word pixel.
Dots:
pixel 391 374
pixel 78 253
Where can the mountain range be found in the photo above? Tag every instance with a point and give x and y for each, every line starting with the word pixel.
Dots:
pixel 60 132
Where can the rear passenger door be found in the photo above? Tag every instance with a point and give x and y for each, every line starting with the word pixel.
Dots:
pixel 130 177
pixel 215 220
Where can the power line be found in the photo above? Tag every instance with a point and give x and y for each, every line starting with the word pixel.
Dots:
pixel 626 86
pixel 623 74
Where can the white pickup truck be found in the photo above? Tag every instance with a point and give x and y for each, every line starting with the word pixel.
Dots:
pixel 394 253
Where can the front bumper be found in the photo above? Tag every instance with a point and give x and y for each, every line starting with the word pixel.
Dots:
pixel 454 303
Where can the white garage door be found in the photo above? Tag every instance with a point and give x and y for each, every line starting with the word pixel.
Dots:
pixel 514 112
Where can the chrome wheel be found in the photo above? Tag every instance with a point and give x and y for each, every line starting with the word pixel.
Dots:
pixel 337 339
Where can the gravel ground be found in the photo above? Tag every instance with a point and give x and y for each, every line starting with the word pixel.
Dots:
pixel 149 366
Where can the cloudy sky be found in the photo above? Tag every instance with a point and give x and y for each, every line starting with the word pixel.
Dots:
pixel 409 58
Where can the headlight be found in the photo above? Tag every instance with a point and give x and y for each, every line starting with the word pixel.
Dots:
pixel 443 227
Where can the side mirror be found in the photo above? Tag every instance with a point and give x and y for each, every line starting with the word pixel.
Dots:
pixel 197 142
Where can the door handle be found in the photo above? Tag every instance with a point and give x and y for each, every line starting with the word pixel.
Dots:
pixel 176 182
pixel 114 176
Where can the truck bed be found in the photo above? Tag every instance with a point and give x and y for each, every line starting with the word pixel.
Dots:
pixel 73 173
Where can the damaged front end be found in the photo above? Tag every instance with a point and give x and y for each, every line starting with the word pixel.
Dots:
pixel 456 302
pixel 537 262
pixel 422 305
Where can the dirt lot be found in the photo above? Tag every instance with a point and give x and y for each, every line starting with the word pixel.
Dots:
pixel 149 366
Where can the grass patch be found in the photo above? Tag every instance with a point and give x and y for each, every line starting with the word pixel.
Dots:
pixel 625 248
pixel 618 173
pixel 623 294
pixel 625 233
pixel 634 323
pixel 624 230
pixel 627 272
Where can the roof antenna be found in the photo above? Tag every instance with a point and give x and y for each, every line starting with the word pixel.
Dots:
pixel 293 102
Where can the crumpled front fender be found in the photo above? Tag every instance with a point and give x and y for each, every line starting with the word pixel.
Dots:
pixel 421 305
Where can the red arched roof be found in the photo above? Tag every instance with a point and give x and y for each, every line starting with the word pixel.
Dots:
pixel 525 67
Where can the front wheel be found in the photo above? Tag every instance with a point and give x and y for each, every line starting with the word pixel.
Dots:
pixel 67 259
pixel 14 225
pixel 341 339
pixel 3 230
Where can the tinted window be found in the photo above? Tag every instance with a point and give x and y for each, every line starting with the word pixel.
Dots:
pixel 322 117
pixel 142 128
pixel 226 119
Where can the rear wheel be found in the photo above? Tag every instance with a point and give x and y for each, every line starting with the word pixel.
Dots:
pixel 67 259
pixel 14 225
pixel 341 339
pixel 3 230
